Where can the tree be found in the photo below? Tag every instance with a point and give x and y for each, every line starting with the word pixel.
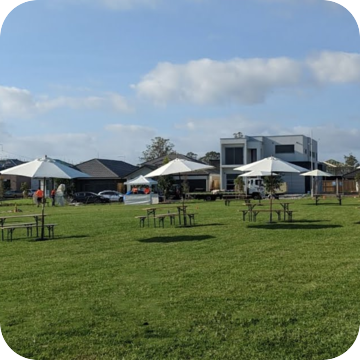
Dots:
pixel 165 182
pixel 211 155
pixel 272 183
pixel 192 155
pixel 24 187
pixel 239 184
pixel 159 147
pixel 351 161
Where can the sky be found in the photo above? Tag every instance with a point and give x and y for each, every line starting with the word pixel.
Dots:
pixel 85 79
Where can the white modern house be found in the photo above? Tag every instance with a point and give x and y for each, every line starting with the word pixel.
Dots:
pixel 241 150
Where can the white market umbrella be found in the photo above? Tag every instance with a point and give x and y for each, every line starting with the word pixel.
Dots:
pixel 272 165
pixel 179 166
pixel 141 180
pixel 44 168
pixel 257 173
pixel 316 173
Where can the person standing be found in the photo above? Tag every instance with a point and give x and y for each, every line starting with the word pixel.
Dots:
pixel 39 196
pixel 52 194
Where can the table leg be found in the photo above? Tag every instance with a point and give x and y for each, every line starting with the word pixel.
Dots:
pixel 37 225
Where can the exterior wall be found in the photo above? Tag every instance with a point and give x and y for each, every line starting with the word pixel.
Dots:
pixel 298 149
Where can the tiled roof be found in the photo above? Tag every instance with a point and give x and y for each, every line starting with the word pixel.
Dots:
pixel 8 163
pixel 102 168
pixel 160 160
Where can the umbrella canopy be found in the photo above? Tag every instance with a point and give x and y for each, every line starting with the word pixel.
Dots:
pixel 44 168
pixel 272 164
pixel 141 180
pixel 178 166
pixel 316 172
pixel 257 173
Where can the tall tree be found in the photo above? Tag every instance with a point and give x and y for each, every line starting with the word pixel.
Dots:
pixel 210 155
pixel 351 161
pixel 192 155
pixel 159 147
pixel 165 182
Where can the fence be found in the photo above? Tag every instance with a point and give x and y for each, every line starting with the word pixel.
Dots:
pixel 345 186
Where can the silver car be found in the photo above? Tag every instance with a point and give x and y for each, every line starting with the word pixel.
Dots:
pixel 112 195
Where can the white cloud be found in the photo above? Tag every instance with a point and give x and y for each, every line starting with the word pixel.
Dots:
pixel 243 81
pixel 130 129
pixel 205 81
pixel 16 102
pixel 118 103
pixel 20 103
pixel 335 67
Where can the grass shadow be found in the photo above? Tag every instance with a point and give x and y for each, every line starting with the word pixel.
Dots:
pixel 59 238
pixel 171 239
pixel 309 221
pixel 293 225
pixel 200 225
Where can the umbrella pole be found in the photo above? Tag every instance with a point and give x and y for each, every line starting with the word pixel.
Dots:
pixel 271 196
pixel 42 237
pixel 183 201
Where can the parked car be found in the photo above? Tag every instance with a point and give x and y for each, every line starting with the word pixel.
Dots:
pixel 13 194
pixel 31 192
pixel 112 195
pixel 88 197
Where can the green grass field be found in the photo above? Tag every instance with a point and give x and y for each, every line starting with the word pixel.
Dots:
pixel 105 288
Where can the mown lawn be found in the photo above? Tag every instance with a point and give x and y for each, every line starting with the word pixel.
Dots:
pixel 225 289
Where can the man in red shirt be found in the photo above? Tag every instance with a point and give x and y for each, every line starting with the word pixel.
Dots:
pixel 39 196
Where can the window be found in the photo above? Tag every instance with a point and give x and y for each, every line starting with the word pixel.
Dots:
pixel 234 156
pixel 230 181
pixel 284 149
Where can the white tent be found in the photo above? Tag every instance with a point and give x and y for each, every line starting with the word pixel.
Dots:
pixel 141 180
pixel 141 199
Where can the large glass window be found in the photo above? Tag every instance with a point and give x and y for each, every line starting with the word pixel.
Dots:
pixel 230 181
pixel 234 155
pixel 284 149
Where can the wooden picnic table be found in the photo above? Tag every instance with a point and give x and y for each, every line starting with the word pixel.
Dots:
pixel 285 206
pixel 36 217
pixel 252 212
pixel 181 211
pixel 317 198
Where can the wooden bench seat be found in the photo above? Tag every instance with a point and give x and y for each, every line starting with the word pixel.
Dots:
pixel 162 217
pixel 50 228
pixel 276 211
pixel 289 214
pixel 142 220
pixel 228 198
pixel 191 217
pixel 245 212
pixel 10 228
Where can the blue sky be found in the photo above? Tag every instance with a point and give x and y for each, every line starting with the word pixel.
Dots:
pixel 81 79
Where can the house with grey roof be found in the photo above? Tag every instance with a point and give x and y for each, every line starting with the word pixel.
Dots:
pixel 105 175
pixel 204 180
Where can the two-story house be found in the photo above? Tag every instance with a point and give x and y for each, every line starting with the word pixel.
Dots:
pixel 240 150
